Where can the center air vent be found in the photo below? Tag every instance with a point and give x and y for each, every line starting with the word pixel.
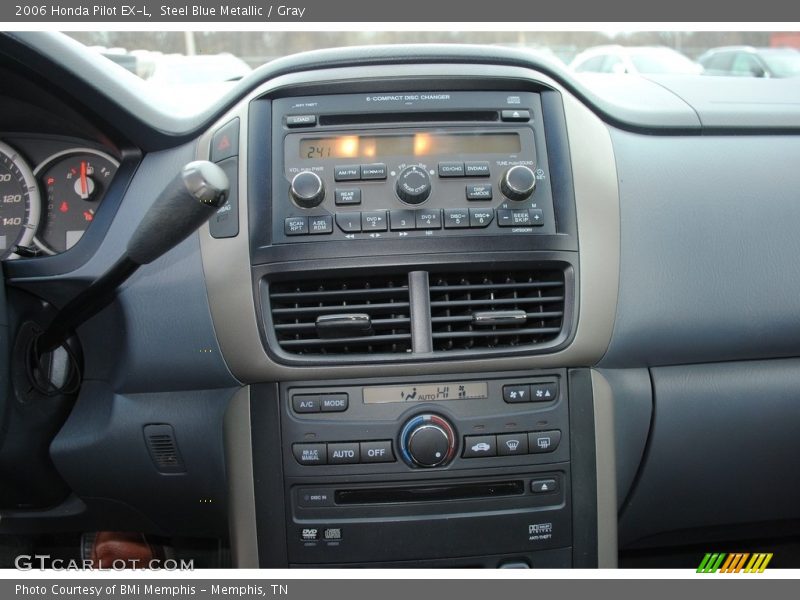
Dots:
pixel 496 309
pixel 342 316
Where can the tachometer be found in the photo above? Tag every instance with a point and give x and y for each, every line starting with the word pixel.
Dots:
pixel 19 201
pixel 73 185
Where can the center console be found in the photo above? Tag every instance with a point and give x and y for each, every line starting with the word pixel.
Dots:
pixel 416 394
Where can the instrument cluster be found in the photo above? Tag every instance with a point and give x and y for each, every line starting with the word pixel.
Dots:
pixel 50 192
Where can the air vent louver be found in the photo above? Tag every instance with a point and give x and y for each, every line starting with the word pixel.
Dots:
pixel 296 306
pixel 163 448
pixel 497 309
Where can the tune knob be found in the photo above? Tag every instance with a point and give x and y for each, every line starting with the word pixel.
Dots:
pixel 413 185
pixel 307 189
pixel 518 183
pixel 427 441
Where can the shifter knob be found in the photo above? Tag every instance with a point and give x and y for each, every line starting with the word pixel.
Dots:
pixel 187 202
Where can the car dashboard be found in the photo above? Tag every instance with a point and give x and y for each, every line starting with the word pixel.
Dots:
pixel 457 301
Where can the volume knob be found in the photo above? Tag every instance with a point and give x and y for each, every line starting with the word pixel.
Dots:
pixel 307 189
pixel 413 185
pixel 427 441
pixel 518 183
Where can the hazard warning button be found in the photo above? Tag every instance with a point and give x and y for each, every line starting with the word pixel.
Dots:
pixel 225 142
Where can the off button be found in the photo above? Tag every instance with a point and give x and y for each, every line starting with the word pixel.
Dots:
pixel 377 452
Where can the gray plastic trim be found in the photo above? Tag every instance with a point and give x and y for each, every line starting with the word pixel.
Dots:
pixel 241 489
pixel 606 472
pixel 226 262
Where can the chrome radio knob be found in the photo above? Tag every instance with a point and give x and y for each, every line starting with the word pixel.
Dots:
pixel 307 189
pixel 518 183
pixel 427 441
pixel 413 185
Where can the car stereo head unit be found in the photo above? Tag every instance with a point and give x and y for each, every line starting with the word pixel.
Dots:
pixel 385 166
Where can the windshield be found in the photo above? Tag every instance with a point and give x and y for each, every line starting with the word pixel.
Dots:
pixel 177 63
pixel 658 62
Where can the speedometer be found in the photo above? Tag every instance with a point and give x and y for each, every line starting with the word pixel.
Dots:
pixel 19 201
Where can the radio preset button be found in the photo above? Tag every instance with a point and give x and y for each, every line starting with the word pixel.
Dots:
pixel 373 220
pixel 347 173
pixel 456 218
pixel 343 454
pixel 476 446
pixel 480 217
pixel 413 185
pixel 295 226
pixel 349 222
pixel 516 115
pixel 479 191
pixel 477 168
pixel 310 454
pixel 511 444
pixel 301 120
pixel 347 197
pixel 373 171
pixel 429 219
pixel 402 219
pixel 451 169
pixel 321 224
pixel 377 452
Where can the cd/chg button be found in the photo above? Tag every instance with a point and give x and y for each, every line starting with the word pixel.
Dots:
pixel 451 169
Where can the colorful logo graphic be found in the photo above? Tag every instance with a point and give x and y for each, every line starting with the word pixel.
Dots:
pixel 740 562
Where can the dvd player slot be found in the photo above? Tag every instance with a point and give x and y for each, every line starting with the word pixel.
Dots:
pixel 471 116
pixel 431 493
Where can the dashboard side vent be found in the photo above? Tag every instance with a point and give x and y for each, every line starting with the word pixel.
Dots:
pixel 163 448
pixel 368 315
pixel 472 311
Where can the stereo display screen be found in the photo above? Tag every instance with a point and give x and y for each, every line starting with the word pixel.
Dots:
pixel 417 144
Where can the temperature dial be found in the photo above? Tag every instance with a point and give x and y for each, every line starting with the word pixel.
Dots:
pixel 307 189
pixel 413 185
pixel 518 183
pixel 427 441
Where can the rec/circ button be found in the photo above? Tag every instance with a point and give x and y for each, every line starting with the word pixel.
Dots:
pixel 377 452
